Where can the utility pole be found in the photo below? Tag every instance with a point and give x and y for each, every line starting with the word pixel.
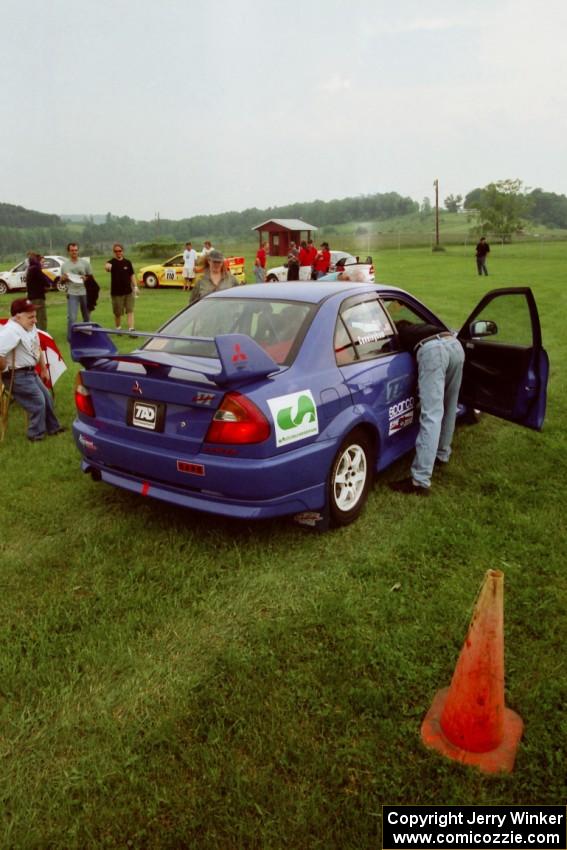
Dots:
pixel 436 184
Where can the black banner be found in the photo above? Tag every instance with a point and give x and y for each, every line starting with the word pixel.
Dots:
pixel 463 827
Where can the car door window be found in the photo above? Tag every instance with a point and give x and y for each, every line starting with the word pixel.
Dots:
pixel 398 311
pixel 363 331
pixel 510 321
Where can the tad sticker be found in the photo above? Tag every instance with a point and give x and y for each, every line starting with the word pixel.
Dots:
pixel 295 417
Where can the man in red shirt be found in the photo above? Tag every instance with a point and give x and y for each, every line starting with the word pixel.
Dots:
pixel 322 260
pixel 261 255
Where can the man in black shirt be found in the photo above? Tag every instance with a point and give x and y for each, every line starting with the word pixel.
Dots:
pixel 482 249
pixel 123 288
pixel 37 285
pixel 440 358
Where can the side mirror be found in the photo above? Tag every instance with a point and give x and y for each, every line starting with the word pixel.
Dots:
pixel 483 328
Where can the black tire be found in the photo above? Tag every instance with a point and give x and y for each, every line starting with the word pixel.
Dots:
pixel 350 478
pixel 3 287
pixel 61 287
pixel 151 281
pixel 271 279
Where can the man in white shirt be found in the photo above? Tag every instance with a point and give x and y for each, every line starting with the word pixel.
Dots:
pixel 20 352
pixel 189 260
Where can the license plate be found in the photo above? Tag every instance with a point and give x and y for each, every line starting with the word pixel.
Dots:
pixel 146 414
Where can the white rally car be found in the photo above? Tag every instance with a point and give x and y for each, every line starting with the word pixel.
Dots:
pixel 15 278
pixel 340 260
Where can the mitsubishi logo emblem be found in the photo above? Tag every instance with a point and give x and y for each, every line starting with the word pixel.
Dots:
pixel 136 388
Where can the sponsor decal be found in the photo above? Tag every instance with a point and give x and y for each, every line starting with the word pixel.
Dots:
pixel 203 398
pixel 191 468
pixel 295 417
pixel 363 340
pixel 87 443
pixel 400 415
pixel 396 386
pixel 170 274
pixel 144 415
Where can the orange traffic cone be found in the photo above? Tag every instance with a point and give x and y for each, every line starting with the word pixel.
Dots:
pixel 468 721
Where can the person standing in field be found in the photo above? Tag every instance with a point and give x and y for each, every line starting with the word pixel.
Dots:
pixel 37 284
pixel 260 263
pixel 206 250
pixel 312 253
pixel 189 260
pixel 73 273
pixel 482 249
pixel 293 262
pixel 322 260
pixel 215 277
pixel 123 286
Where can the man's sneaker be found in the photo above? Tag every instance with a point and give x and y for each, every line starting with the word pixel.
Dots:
pixel 408 488
pixel 131 331
pixel 60 430
pixel 36 438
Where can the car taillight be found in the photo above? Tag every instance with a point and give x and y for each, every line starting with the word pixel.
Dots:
pixel 238 420
pixel 83 398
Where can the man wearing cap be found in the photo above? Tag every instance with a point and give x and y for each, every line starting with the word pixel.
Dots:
pixel 215 277
pixel 20 352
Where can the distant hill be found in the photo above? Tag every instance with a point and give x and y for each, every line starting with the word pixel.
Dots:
pixel 15 216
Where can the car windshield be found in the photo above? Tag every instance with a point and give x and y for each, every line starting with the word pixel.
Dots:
pixel 277 326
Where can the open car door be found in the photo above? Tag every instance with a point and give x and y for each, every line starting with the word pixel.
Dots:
pixel 506 367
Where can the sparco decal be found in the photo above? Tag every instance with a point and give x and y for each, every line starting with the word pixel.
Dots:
pixel 401 415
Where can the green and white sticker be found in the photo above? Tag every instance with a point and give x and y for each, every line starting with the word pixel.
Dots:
pixel 295 417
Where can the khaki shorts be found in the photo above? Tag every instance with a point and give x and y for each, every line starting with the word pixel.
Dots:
pixel 122 304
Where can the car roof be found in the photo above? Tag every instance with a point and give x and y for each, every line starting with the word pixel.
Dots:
pixel 311 292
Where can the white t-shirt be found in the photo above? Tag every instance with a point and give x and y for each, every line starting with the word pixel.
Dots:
pixel 189 260
pixel 25 343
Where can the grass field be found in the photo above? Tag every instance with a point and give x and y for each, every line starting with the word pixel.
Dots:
pixel 172 680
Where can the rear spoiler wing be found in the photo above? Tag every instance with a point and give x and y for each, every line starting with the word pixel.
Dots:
pixel 241 358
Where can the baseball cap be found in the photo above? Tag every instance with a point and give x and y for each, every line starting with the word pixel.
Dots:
pixel 22 305
pixel 216 256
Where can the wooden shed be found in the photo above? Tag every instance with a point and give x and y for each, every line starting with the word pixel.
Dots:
pixel 279 232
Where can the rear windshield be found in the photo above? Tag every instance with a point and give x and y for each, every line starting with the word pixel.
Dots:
pixel 277 326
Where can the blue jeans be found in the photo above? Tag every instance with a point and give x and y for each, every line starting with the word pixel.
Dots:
pixel 440 370
pixel 73 304
pixel 30 391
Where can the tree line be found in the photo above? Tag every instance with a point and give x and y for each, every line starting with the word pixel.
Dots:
pixel 502 209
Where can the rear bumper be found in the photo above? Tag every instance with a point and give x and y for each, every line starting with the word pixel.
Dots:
pixel 245 488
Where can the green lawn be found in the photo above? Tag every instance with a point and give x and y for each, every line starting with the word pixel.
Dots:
pixel 171 680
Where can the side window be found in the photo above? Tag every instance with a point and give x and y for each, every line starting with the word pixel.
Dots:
pixel 510 320
pixel 49 264
pixel 399 311
pixel 363 331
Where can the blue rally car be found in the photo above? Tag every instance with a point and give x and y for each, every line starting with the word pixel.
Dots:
pixel 285 399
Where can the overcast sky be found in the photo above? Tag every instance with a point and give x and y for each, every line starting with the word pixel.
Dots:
pixel 184 107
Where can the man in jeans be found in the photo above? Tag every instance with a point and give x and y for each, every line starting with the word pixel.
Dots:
pixel 440 359
pixel 73 273
pixel 20 353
